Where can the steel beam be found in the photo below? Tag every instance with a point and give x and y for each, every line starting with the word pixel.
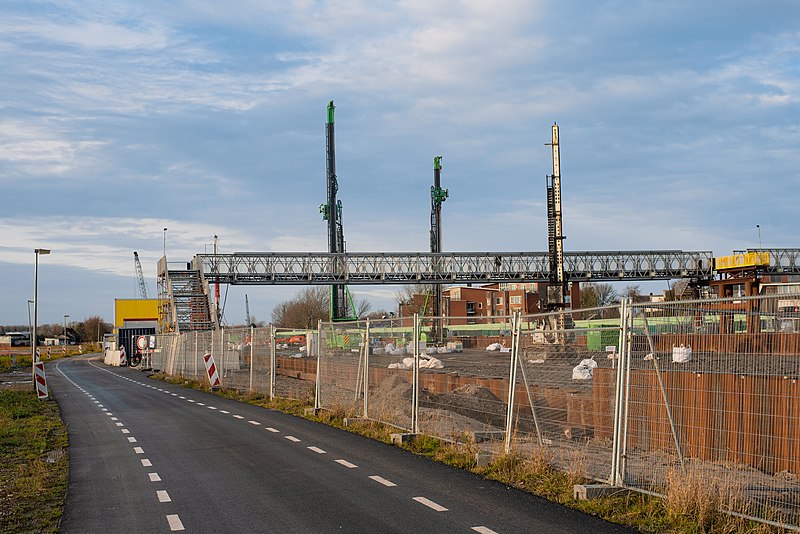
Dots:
pixel 366 268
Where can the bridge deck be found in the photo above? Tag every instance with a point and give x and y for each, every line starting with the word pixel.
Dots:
pixel 281 268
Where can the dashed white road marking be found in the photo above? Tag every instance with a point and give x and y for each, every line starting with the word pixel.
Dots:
pixel 163 496
pixel 200 404
pixel 190 400
pixel 154 477
pixel 292 438
pixel 174 394
pixel 119 424
pixel 430 504
pixel 126 431
pixel 114 419
pixel 224 411
pixel 254 423
pixel 138 450
pixel 346 463
pixel 131 440
pixel 146 463
pixel 212 407
pixel 381 480
pixel 174 522
pixel 184 398
pixel 484 530
pixel 97 402
pixel 274 430
pixel 238 416
pixel 104 409
pixel 316 449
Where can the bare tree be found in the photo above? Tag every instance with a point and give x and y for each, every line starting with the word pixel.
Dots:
pixel 594 295
pixel 362 308
pixel 92 328
pixel 305 310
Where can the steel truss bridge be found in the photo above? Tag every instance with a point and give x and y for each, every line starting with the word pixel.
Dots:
pixel 362 268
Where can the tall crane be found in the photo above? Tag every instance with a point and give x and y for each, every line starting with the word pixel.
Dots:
pixel 438 195
pixel 340 308
pixel 556 290
pixel 139 276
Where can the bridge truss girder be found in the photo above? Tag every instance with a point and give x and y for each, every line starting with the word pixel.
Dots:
pixel 369 268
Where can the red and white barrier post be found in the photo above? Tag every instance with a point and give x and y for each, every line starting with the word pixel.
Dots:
pixel 40 380
pixel 123 359
pixel 211 371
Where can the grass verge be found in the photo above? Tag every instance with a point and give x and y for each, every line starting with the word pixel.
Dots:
pixel 33 463
pixel 534 472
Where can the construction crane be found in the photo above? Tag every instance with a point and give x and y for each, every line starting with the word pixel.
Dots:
pixel 139 276
pixel 438 195
pixel 341 307
pixel 247 310
pixel 557 286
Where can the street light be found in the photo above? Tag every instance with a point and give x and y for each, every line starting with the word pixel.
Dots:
pixel 165 241
pixel 36 253
pixel 65 333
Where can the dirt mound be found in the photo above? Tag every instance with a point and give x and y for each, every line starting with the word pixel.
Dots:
pixel 477 392
pixel 393 387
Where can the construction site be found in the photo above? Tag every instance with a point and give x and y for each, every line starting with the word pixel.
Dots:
pixel 498 351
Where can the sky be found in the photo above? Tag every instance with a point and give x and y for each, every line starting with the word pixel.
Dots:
pixel 679 129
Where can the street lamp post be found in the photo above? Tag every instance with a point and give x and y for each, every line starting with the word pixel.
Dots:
pixel 34 339
pixel 65 333
pixel 165 241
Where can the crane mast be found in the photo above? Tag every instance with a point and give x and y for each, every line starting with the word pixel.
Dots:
pixel 247 310
pixel 139 276
pixel 332 212
pixel 555 238
pixel 438 195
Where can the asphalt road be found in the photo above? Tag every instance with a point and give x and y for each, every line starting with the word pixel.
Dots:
pixel 152 457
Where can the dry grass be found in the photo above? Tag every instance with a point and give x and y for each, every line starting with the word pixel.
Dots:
pixel 32 490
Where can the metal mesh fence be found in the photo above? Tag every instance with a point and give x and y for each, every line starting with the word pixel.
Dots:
pixel 295 363
pixel 341 367
pixel 463 377
pixel 565 385
pixel 712 393
pixel 390 380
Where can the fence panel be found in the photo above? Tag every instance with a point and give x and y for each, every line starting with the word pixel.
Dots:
pixel 464 369
pixel 564 388
pixel 390 381
pixel 341 367
pixel 236 356
pixel 296 363
pixel 713 393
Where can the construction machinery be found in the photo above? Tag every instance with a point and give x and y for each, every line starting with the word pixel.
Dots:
pixel 438 195
pixel 139 276
pixel 341 308
pixel 555 238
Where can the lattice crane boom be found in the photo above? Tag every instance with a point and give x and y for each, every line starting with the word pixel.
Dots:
pixel 139 275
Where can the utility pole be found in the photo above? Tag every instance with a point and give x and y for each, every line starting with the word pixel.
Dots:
pixel 438 195
pixel 332 212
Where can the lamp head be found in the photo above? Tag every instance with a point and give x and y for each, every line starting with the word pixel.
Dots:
pixel 42 250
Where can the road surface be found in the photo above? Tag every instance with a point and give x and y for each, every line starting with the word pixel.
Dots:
pixel 146 456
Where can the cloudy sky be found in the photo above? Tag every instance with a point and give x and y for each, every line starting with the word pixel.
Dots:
pixel 679 130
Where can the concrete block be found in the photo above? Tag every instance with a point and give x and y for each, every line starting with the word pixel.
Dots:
pixel 484 458
pixel 347 421
pixel 398 439
pixel 585 492
pixel 489 435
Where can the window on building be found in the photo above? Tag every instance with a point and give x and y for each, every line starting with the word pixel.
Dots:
pixel 516 299
pixel 480 305
pixel 498 301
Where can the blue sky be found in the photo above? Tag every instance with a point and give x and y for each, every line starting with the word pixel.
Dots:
pixel 679 130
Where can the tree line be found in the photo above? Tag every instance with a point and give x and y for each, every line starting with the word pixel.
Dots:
pixel 89 330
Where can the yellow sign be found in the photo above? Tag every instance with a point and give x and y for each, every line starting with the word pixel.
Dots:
pixel 741 261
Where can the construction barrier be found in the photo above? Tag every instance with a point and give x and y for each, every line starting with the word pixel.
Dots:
pixel 211 371
pixel 40 380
